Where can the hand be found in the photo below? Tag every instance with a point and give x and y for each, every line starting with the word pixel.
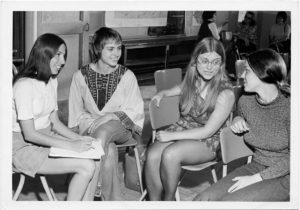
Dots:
pixel 244 181
pixel 81 145
pixel 164 136
pixel 101 120
pixel 239 125
pixel 158 97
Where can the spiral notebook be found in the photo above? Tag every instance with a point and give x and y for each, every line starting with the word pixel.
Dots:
pixel 94 153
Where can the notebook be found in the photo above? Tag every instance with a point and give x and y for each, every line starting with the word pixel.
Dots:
pixel 94 153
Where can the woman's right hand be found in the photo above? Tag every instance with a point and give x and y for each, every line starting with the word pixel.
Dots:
pixel 239 125
pixel 81 145
pixel 158 97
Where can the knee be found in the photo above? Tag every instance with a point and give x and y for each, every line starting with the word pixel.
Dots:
pixel 170 156
pixel 103 132
pixel 152 157
pixel 87 168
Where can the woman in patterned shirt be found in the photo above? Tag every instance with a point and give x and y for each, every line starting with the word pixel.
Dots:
pixel 106 103
pixel 206 101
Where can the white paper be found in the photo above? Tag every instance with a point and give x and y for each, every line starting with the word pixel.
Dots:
pixel 94 153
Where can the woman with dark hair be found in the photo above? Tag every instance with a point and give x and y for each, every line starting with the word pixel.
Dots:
pixel 264 120
pixel 206 100
pixel 246 32
pixel 280 34
pixel 36 126
pixel 208 27
pixel 106 103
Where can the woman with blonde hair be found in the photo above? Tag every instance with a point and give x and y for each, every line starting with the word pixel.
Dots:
pixel 206 101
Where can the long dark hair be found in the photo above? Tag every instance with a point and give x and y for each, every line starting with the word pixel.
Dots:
pixel 206 15
pixel 38 64
pixel 270 68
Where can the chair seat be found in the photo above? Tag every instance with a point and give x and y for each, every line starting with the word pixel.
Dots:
pixel 131 142
pixel 199 167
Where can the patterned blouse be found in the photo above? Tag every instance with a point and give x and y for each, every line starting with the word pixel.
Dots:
pixel 103 86
pixel 194 119
pixel 249 31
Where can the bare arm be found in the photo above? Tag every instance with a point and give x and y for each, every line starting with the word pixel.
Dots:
pixel 221 112
pixel 60 128
pixel 215 30
pixel 174 91
pixel 34 136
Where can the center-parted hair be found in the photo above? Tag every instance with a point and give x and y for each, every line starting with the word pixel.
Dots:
pixel 38 64
pixel 101 37
pixel 269 67
pixel 191 79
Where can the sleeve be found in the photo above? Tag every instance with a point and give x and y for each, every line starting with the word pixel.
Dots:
pixel 132 110
pixel 126 121
pixel 55 84
pixel 77 111
pixel 214 30
pixel 23 100
pixel 240 107
pixel 287 31
pixel 280 168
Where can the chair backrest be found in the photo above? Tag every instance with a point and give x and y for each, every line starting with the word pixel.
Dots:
pixel 166 114
pixel 167 78
pixel 233 146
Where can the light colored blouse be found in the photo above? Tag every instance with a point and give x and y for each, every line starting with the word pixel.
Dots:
pixel 126 98
pixel 34 99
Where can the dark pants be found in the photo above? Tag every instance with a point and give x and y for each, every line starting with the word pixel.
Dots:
pixel 276 189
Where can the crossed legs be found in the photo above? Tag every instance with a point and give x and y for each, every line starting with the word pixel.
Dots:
pixel 111 133
pixel 164 161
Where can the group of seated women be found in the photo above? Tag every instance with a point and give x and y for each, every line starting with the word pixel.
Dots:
pixel 106 105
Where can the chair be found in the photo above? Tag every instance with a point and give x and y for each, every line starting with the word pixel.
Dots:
pixel 168 113
pixel 49 191
pixel 167 78
pixel 232 148
pixel 132 143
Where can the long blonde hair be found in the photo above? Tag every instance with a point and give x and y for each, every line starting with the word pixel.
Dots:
pixel 192 76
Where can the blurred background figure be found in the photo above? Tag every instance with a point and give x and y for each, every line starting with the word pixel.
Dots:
pixel 246 34
pixel 209 27
pixel 280 34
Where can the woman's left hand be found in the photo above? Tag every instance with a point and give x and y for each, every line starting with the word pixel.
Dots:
pixel 164 136
pixel 244 181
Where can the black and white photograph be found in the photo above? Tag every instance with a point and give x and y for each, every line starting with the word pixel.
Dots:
pixel 149 104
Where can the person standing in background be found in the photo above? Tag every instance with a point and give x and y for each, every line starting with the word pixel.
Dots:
pixel 246 34
pixel 280 34
pixel 208 27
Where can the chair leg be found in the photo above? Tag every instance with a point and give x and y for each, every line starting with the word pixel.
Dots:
pixel 20 187
pixel 224 170
pixel 139 170
pixel 214 175
pixel 143 195
pixel 177 196
pixel 48 190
